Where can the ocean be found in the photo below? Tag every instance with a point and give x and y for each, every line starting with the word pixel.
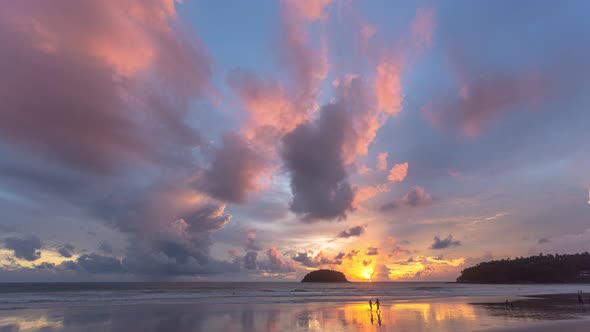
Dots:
pixel 258 306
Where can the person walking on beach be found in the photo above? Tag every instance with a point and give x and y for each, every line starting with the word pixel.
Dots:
pixel 370 305
pixel 378 304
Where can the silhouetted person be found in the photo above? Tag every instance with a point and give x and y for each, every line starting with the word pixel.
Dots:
pixel 580 300
pixel 372 319
pixel 371 305
pixel 378 304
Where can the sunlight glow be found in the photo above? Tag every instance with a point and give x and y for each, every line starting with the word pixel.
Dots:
pixel 47 256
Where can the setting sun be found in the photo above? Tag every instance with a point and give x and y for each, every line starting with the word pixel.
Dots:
pixel 367 274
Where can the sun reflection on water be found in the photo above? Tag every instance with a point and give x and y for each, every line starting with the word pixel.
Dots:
pixel 318 316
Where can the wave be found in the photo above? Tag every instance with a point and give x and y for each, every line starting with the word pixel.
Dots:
pixel 258 293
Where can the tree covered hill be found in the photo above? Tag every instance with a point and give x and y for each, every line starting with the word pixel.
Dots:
pixel 535 269
pixel 325 276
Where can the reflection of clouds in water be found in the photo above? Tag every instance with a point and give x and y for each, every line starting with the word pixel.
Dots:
pixel 25 323
pixel 437 311
pixel 310 317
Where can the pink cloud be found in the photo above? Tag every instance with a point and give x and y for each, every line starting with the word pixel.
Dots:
pixel 382 161
pixel 364 170
pixel 273 108
pixel 79 76
pixel 268 106
pixel 398 172
pixel 310 9
pixel 367 32
pixel 481 102
pixel 423 26
pixel 276 107
pixel 307 67
pixel 366 193
pixel 388 88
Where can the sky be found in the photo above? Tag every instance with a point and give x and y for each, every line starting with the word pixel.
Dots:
pixel 260 140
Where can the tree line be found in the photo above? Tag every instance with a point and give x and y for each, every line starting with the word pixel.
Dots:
pixel 534 269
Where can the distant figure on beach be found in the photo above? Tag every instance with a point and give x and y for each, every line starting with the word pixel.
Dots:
pixel 370 305
pixel 372 319
pixel 378 304
pixel 580 300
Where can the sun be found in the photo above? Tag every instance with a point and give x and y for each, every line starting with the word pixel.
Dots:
pixel 367 274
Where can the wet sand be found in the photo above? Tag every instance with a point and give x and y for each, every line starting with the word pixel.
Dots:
pixel 543 307
pixel 539 313
pixel 577 325
pixel 552 312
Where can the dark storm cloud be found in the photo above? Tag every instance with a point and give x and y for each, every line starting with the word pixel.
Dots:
pixel 95 263
pixel 308 260
pixel 66 250
pixel 234 170
pixel 167 234
pixel 444 243
pixel 105 247
pixel 305 259
pixel 312 154
pixel 250 260
pixel 417 197
pixel 351 232
pixel 179 246
pixel 25 248
pixel 148 261
pixel 44 266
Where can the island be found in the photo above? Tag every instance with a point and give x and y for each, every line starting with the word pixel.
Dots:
pixel 534 269
pixel 324 276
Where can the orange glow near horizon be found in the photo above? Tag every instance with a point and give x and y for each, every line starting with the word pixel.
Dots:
pixel 51 256
pixel 368 274
pixel 365 268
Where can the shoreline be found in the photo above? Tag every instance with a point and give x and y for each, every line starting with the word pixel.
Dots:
pixel 541 307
